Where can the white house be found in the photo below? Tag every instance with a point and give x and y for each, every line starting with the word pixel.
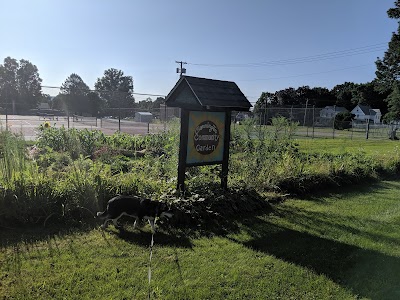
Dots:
pixel 365 112
pixel 329 112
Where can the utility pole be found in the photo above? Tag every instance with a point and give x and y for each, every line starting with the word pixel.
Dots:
pixel 181 70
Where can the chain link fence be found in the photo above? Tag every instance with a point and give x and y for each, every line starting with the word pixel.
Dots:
pixel 126 120
pixel 312 123
pixel 315 123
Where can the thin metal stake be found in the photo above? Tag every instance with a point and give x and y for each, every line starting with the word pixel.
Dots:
pixel 151 256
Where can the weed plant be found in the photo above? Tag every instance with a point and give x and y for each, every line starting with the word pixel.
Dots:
pixel 68 175
pixel 12 156
pixel 268 158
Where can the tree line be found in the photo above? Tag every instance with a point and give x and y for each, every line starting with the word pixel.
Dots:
pixel 346 95
pixel 383 92
pixel 21 91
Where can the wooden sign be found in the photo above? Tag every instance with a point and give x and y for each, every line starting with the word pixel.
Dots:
pixel 206 106
pixel 205 142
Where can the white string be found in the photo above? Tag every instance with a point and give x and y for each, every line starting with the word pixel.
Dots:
pixel 151 256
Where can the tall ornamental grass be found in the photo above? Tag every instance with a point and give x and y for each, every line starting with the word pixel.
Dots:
pixel 12 157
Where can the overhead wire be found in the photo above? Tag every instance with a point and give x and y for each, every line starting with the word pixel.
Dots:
pixel 304 59
pixel 306 74
pixel 282 62
pixel 105 91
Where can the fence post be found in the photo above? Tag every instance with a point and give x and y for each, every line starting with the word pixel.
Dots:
pixel 165 116
pixel 333 121
pixel 6 118
pixel 305 114
pixel 367 130
pixel 68 119
pixel 313 121
pixel 119 119
pixel 305 117
pixel 352 129
pixel 291 113
pixel 148 127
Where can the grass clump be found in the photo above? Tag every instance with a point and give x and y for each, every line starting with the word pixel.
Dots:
pixel 70 174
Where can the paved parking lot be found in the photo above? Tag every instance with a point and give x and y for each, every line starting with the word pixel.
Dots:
pixel 28 125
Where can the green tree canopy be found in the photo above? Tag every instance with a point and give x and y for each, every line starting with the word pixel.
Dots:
pixel 343 120
pixel 304 95
pixel 74 93
pixel 388 68
pixel 344 94
pixel 265 100
pixel 393 104
pixel 146 104
pixel 20 85
pixel 116 89
pixel 157 103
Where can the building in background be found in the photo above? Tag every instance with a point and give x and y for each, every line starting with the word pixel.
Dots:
pixel 363 113
pixel 143 116
pixel 330 112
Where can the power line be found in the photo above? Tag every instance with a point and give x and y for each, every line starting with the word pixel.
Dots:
pixel 307 74
pixel 106 91
pixel 304 59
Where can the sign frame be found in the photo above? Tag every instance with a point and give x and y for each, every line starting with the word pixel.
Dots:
pixel 205 144
pixel 190 120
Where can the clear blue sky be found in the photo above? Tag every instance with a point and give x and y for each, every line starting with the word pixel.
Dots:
pixel 273 44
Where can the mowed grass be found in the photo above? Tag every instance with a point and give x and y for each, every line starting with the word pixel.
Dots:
pixel 335 245
pixel 376 148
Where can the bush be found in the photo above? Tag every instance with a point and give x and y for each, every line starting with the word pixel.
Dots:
pixel 343 120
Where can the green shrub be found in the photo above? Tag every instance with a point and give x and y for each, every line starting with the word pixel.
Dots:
pixel 75 142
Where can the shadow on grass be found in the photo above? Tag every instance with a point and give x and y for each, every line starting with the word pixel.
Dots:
pixel 372 187
pixel 335 224
pixel 366 273
pixel 26 235
pixel 161 237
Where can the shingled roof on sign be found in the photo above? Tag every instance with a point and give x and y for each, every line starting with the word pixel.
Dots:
pixel 195 93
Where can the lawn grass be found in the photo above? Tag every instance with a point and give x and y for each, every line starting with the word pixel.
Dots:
pixel 377 148
pixel 334 245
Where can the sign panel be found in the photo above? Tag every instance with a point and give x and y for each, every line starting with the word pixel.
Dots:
pixel 205 137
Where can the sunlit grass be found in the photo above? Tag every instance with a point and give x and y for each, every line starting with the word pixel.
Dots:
pixel 334 245
pixel 336 146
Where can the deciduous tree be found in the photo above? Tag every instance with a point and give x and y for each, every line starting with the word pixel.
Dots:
pixel 116 89
pixel 344 94
pixel 75 94
pixel 20 85
pixel 388 68
pixel 393 101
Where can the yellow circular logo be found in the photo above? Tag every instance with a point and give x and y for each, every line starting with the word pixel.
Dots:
pixel 206 137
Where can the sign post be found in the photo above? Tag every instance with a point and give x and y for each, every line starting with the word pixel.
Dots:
pixel 205 122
